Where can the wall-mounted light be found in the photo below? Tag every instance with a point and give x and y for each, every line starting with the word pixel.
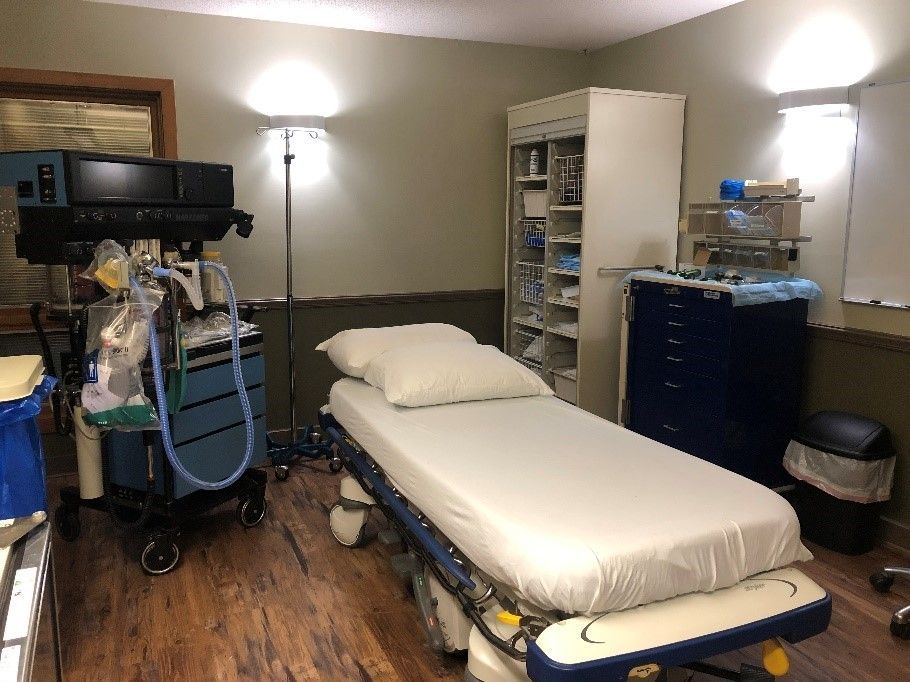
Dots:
pixel 818 102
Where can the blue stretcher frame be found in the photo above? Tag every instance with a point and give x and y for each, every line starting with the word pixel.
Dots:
pixel 793 626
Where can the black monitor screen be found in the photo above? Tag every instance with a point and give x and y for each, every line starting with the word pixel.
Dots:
pixel 136 181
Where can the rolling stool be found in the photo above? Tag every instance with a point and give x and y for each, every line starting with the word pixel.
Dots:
pixel 882 582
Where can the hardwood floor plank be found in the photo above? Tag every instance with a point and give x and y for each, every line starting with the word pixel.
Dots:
pixel 284 601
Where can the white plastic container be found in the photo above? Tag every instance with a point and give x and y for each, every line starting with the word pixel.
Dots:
pixel 566 389
pixel 535 201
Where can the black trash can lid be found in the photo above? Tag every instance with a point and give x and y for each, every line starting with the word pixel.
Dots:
pixel 847 435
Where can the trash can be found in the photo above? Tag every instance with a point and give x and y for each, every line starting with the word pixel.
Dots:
pixel 22 477
pixel 844 466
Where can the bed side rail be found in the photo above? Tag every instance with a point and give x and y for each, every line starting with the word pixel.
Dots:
pixel 401 510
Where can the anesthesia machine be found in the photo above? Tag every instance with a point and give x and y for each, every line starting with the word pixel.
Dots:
pixel 162 385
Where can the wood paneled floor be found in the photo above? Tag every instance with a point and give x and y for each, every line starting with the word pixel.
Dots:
pixel 283 601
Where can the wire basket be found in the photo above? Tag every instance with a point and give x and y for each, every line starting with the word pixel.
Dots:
pixel 530 364
pixel 535 232
pixel 527 348
pixel 530 282
pixel 571 178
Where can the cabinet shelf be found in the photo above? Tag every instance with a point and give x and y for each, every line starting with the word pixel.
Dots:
pixel 566 207
pixel 527 323
pixel 562 332
pixel 564 302
pixel 531 178
pixel 565 240
pixel 568 273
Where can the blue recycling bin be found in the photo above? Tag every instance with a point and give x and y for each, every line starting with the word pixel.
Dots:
pixel 22 477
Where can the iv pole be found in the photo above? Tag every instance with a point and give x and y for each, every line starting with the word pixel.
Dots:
pixel 283 455
pixel 286 135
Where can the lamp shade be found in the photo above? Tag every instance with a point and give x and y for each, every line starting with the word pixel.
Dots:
pixel 297 122
pixel 823 100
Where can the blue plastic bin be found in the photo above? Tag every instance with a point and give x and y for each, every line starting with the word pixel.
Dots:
pixel 22 477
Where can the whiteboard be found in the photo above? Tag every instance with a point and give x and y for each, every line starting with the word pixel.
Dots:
pixel 877 261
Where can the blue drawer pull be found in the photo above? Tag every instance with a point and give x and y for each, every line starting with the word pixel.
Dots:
pixel 670 357
pixel 676 324
pixel 672 385
pixel 670 428
pixel 675 342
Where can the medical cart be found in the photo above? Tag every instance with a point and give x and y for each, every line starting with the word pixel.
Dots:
pixel 208 435
pixel 717 380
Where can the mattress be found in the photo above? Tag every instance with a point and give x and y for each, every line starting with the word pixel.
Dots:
pixel 572 512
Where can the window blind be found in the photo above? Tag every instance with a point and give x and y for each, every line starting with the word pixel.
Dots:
pixel 29 124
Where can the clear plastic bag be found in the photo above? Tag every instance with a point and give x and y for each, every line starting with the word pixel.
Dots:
pixel 198 331
pixel 117 339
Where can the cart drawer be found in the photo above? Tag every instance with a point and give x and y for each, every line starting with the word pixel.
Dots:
pixel 218 455
pixel 213 381
pixel 206 418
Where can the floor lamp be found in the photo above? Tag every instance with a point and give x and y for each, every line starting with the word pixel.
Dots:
pixel 283 454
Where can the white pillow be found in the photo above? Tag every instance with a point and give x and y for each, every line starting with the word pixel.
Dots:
pixel 451 372
pixel 353 349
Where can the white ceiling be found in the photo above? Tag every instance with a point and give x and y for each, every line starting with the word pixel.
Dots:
pixel 568 24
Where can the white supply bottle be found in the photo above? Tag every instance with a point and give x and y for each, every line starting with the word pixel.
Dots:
pixel 534 168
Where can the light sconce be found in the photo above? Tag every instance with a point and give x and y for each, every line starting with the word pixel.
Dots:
pixel 819 102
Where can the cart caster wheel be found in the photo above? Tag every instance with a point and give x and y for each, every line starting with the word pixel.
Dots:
pixel 282 472
pixel 881 581
pixel 251 511
pixel 348 527
pixel 901 630
pixel 335 465
pixel 160 556
pixel 66 521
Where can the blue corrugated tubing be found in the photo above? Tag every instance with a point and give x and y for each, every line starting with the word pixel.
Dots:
pixel 238 381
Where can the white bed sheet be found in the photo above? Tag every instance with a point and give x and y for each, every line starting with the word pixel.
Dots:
pixel 571 511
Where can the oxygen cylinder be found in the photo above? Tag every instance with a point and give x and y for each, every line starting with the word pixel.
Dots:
pixel 88 458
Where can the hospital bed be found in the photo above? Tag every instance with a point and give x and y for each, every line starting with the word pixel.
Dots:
pixel 554 545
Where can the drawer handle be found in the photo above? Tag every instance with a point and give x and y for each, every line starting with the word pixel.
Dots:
pixel 675 342
pixel 676 324
pixel 670 428
pixel 671 358
pixel 675 305
pixel 672 385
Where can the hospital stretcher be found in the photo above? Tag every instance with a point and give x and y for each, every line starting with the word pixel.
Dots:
pixel 534 608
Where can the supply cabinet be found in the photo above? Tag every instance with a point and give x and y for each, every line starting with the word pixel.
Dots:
pixel 593 193
pixel 718 381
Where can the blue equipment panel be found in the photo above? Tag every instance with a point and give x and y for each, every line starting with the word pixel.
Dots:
pixel 24 171
pixel 208 432
pixel 716 381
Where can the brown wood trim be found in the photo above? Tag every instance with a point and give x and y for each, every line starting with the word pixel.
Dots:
pixel 861 337
pixel 383 299
pixel 157 93
pixel 17 320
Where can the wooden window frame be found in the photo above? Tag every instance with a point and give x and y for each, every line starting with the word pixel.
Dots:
pixel 155 93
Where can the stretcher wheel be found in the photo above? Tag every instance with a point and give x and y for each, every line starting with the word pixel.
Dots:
pixel 66 521
pixel 335 465
pixel 251 511
pixel 282 471
pixel 901 630
pixel 348 527
pixel 160 556
pixel 881 581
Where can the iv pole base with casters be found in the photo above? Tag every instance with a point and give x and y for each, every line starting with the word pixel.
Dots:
pixel 310 444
